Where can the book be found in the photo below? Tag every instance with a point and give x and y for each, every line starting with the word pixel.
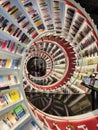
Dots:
pixel 3 125
pixel 4 62
pixel 15 31
pixel 11 118
pixel 7 5
pixel 15 63
pixel 13 11
pixel 5 119
pixel 14 95
pixel 4 44
pixel 4 24
pixel 12 47
pixel 8 44
pixel 8 63
pixel 31 126
pixel 3 102
pixel 7 98
pixel 19 111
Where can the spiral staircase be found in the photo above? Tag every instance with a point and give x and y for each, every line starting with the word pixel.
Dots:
pixel 60 64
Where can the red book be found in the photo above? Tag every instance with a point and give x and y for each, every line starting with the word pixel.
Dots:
pixel 10 28
pixel 9 77
pixel 4 44
pixel 34 35
pixel 12 47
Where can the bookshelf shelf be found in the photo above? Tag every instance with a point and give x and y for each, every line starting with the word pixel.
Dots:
pixel 11 37
pixel 59 39
pixel 45 7
pixel 12 20
pixel 29 14
pixel 10 106
pixel 16 116
pixel 21 122
pixel 6 70
pixel 14 55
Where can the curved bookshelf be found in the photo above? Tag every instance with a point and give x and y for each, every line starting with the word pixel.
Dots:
pixel 49 52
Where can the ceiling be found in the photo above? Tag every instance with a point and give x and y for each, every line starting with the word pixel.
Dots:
pixel 91 7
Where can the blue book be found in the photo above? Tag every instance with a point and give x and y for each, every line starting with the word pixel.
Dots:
pixel 15 63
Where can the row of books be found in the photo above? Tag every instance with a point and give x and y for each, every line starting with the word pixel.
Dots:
pixel 13 30
pixel 8 98
pixel 11 46
pixel 43 6
pixel 19 17
pixel 56 14
pixel 76 24
pixel 9 63
pixel 87 69
pixel 34 14
pixel 10 119
pixel 7 80
pixel 90 39
pixel 83 32
pixel 68 18
pixel 91 50
pixel 89 60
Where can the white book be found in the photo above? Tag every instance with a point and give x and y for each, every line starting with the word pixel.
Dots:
pixel 4 126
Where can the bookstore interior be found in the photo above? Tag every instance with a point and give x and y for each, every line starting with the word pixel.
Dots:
pixel 48 65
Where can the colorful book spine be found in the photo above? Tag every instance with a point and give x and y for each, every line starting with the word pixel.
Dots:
pixel 10 119
pixel 46 16
pixel 14 95
pixel 8 63
pixel 12 29
pixel 19 111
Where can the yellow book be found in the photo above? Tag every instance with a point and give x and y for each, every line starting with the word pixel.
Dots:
pixel 14 94
pixel 8 63
pixel 38 23
pixel 90 61
pixel 14 8
pixel 11 118
pixel 41 30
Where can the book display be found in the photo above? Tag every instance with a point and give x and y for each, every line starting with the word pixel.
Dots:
pixel 58 9
pixel 20 18
pixel 48 66
pixel 34 14
pixel 44 6
pixel 13 117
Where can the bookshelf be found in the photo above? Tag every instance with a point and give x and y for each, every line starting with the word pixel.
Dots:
pixel 58 9
pixel 33 14
pixel 55 39
pixel 8 26
pixel 13 41
pixel 44 6
pixel 15 117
